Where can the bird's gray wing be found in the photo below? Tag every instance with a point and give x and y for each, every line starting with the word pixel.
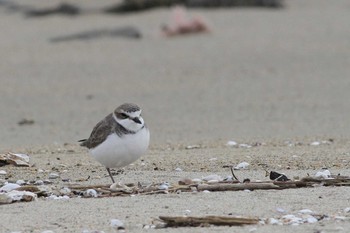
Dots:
pixel 99 133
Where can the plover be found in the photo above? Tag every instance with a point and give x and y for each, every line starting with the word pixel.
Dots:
pixel 119 139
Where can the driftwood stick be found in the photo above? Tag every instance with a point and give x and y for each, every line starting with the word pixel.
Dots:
pixel 237 187
pixel 207 220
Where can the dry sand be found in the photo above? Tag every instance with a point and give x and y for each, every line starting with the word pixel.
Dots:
pixel 262 75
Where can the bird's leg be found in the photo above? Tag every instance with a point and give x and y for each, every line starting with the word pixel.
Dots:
pixel 110 174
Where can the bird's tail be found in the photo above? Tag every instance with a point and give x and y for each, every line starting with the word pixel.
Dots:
pixel 83 142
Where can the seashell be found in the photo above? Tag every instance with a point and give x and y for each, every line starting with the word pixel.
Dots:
pixel 2 172
pixel 15 159
pixel 163 186
pixel 206 191
pixel 119 187
pixel 54 197
pixel 292 219
pixel 53 176
pixel 243 145
pixel 20 182
pixel 323 174
pixel 347 210
pixel 231 143
pixel 311 219
pixel 316 143
pixel 118 224
pixel 22 195
pixel 90 193
pixel 39 182
pixel 9 187
pixel 65 191
pixel 228 178
pixel 305 211
pixel 280 210
pixel 242 165
pixel 273 221
pixel 178 169
pixel 212 177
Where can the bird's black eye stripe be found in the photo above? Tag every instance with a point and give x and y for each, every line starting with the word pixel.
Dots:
pixel 123 116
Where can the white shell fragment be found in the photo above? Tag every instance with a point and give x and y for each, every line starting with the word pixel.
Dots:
pixel 316 143
pixel 21 195
pixel 347 210
pixel 54 197
pixel 53 176
pixel 212 177
pixel 20 182
pixel 116 187
pixel 305 211
pixel 118 224
pixel 323 174
pixel 2 172
pixel 90 193
pixel 242 165
pixel 231 143
pixel 9 187
pixel 178 169
pixel 15 159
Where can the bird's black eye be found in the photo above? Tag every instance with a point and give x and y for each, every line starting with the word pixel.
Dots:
pixel 123 116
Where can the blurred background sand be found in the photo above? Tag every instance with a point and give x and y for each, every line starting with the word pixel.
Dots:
pixel 261 73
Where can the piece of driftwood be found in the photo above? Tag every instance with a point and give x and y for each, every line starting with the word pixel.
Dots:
pixel 125 32
pixel 181 221
pixel 138 5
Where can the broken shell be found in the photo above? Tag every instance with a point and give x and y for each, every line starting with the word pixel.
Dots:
pixel 119 187
pixel 53 176
pixel 178 169
pixel 90 193
pixel 20 182
pixel 274 221
pixel 39 182
pixel 118 224
pixel 65 191
pixel 242 165
pixel 15 159
pixel 22 195
pixel 305 211
pixel 9 187
pixel 2 172
pixel 212 177
pixel 323 174
pixel 311 219
pixel 231 143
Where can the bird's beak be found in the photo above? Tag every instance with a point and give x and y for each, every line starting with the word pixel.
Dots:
pixel 137 120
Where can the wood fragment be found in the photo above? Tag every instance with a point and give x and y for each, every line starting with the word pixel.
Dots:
pixel 180 221
pixel 237 187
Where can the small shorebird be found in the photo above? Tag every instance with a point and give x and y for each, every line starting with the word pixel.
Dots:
pixel 119 139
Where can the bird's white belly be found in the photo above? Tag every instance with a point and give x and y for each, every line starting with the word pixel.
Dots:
pixel 117 151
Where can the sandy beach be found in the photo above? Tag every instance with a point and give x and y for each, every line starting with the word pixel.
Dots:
pixel 274 78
